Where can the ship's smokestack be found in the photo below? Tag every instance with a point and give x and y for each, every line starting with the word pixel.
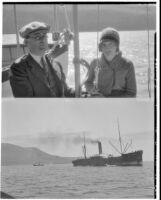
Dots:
pixel 84 151
pixel 99 147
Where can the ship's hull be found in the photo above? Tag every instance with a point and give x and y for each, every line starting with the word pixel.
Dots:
pixel 92 161
pixel 128 159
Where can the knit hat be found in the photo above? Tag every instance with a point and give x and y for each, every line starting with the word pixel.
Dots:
pixel 34 27
pixel 110 33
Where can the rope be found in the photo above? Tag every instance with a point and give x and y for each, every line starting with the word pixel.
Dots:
pixel 98 23
pixel 56 18
pixel 76 49
pixel 16 27
pixel 55 25
pixel 55 30
pixel 149 67
pixel 98 20
pixel 67 18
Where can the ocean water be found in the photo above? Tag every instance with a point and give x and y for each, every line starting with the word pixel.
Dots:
pixel 65 181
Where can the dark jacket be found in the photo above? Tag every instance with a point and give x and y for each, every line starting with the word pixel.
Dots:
pixel 28 79
pixel 114 79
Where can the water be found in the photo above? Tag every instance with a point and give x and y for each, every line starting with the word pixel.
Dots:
pixel 66 181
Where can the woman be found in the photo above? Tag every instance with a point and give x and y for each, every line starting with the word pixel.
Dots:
pixel 111 75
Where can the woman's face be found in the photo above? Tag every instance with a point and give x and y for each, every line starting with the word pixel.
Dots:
pixel 109 48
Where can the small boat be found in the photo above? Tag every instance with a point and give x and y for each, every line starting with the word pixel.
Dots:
pixel 125 159
pixel 97 160
pixel 38 164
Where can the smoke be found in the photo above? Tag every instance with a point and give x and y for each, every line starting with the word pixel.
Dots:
pixel 56 138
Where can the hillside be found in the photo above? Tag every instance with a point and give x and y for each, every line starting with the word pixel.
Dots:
pixel 120 16
pixel 16 155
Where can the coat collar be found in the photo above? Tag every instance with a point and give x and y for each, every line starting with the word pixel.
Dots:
pixel 37 70
pixel 114 64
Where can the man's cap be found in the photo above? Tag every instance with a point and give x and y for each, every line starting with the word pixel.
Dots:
pixel 110 33
pixel 33 27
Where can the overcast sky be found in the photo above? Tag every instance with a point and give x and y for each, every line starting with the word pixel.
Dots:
pixel 121 16
pixel 57 126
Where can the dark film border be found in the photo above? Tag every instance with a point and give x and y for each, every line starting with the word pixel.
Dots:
pixel 155 67
pixel 80 2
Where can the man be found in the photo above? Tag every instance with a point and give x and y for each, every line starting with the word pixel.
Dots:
pixel 34 75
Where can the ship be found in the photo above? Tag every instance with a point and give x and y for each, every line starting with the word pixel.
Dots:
pixel 125 159
pixel 96 160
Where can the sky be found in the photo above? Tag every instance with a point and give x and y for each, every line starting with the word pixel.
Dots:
pixel 57 126
pixel 121 16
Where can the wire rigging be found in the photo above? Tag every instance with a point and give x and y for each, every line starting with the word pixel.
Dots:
pixel 16 27
pixel 67 18
pixel 98 24
pixel 56 24
pixel 149 67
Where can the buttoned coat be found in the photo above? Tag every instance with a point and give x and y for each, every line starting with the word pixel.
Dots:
pixel 114 79
pixel 27 79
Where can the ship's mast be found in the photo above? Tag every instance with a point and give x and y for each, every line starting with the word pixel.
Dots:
pixel 119 135
pixel 122 148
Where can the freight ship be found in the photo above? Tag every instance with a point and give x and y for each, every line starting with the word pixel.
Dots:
pixel 125 159
pixel 97 160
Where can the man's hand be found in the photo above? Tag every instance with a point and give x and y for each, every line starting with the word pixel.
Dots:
pixel 65 37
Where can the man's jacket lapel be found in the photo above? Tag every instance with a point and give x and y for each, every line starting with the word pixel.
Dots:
pixel 36 70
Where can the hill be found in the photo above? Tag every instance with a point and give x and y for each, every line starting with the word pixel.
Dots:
pixel 120 16
pixel 16 155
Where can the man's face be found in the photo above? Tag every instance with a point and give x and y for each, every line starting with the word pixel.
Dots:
pixel 109 49
pixel 37 43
